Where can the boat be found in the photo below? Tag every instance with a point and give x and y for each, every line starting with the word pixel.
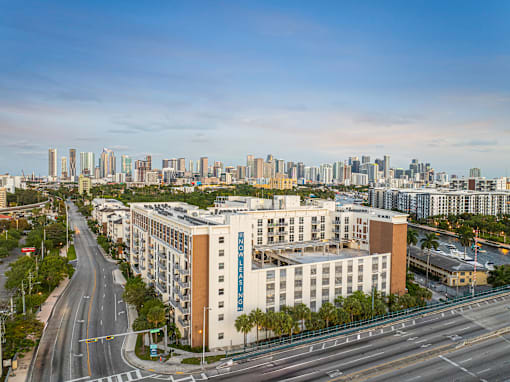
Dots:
pixel 450 246
pixel 489 265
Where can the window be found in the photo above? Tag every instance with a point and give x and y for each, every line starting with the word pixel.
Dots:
pixel 220 317
pixel 360 268
pixel 349 279
pixel 313 306
pixel 338 292
pixel 338 269
pixel 360 287
pixel 313 270
pixel 325 269
pixel 283 285
pixel 259 222
pixel 259 231
pixel 349 266
pixel 338 280
pixel 221 266
pixel 301 220
pixel 283 298
pixel 298 295
pixel 221 292
pixel 325 293
pixel 325 281
pixel 313 293
pixel 269 276
pixel 349 289
pixel 298 272
pixel 301 229
pixel 298 283
pixel 291 238
pixel 221 252
pixel 259 241
pixel 323 219
pixel 221 239
pixel 323 235
pixel 301 237
pixel 221 304
pixel 291 229
pixel 291 220
pixel 360 278
pixel 283 273
pixel 462 280
pixel 220 336
pixel 221 278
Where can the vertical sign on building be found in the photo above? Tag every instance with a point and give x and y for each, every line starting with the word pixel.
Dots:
pixel 240 272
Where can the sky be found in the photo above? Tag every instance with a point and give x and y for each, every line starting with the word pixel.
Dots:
pixel 311 81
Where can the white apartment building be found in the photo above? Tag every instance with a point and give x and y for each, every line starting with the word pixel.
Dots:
pixel 431 202
pixel 246 253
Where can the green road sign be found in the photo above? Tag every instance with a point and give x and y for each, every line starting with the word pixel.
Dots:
pixel 154 330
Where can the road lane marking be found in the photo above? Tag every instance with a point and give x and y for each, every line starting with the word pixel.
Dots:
pixel 115 306
pixel 484 371
pixel 72 340
pixel 420 341
pixel 88 322
pixel 466 360
pixel 457 366
pixel 55 344
pixel 413 378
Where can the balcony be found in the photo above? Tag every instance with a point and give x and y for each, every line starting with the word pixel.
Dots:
pixel 136 270
pixel 150 276
pixel 162 265
pixel 142 267
pixel 278 224
pixel 181 270
pixel 182 297
pixel 183 321
pixel 162 276
pixel 160 288
pixel 183 285
pixel 162 255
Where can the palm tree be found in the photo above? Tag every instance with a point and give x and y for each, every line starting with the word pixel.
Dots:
pixel 302 313
pixel 257 317
pixel 412 239
pixel 315 322
pixel 244 325
pixel 465 237
pixel 269 321
pixel 327 312
pixel 155 316
pixel 428 242
pixel 353 306
pixel 499 276
pixel 342 317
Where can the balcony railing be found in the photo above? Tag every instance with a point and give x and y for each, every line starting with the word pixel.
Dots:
pixel 183 321
pixel 181 270
pixel 161 288
pixel 184 285
pixel 182 297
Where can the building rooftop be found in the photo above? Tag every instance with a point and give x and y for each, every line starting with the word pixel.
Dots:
pixel 447 263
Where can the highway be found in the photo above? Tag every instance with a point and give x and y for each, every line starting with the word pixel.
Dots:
pixel 90 306
pixel 339 358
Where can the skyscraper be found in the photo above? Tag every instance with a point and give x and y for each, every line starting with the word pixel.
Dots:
pixel 52 163
pixel 107 163
pixel 386 166
pixel 72 163
pixel 250 166
pixel 181 164
pixel 87 163
pixel 63 168
pixel 126 165
pixel 365 159
pixel 258 168
pixel 204 167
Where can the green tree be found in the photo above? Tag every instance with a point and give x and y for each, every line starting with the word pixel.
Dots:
pixel 327 312
pixel 135 292
pixel 353 307
pixel 412 239
pixel 244 325
pixel 428 242
pixel 257 318
pixel 302 313
pixel 52 271
pixel 155 317
pixel 499 276
pixel 465 237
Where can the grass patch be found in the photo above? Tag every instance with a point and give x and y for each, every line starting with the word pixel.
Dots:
pixel 145 354
pixel 71 253
pixel 209 359
pixel 196 349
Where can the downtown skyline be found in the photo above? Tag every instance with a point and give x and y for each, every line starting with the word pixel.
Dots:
pixel 307 82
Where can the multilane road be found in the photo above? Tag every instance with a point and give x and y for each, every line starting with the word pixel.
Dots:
pixel 337 358
pixel 90 306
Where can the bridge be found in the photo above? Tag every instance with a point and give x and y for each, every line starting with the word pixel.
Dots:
pixel 23 208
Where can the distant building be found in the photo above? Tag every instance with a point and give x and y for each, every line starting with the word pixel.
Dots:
pixel 126 166
pixel 475 173
pixel 63 168
pixel 3 197
pixel 87 163
pixel 72 164
pixel 204 167
pixel 84 185
pixel 107 163
pixel 52 164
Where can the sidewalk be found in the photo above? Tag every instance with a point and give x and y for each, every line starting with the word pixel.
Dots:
pixel 44 315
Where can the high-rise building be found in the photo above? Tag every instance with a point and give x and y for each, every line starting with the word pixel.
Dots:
pixel 142 167
pixel 87 163
pixel 386 167
pixel 326 173
pixel 107 163
pixel 63 168
pixel 181 164
pixel 475 173
pixel 250 166
pixel 355 166
pixel 258 168
pixel 52 163
pixel 72 164
pixel 365 159
pixel 126 165
pixel 372 171
pixel 204 167
pixel 191 166
pixel 3 197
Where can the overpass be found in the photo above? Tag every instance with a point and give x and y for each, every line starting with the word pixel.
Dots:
pixel 23 208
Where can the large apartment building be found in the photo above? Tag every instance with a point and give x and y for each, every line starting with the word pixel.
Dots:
pixel 246 253
pixel 426 203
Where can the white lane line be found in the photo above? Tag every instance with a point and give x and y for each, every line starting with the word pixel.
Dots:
pixel 420 341
pixel 79 379
pixel 72 340
pixel 414 378
pixel 299 376
pixel 102 307
pixel 484 371
pixel 115 306
pixel 101 322
pixel 457 366
pixel 466 360
pixel 54 345
pixel 329 356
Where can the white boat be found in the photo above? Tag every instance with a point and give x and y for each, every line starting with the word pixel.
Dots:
pixel 489 265
pixel 450 246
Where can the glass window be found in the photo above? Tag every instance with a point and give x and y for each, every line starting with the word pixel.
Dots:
pixel 338 292
pixel 313 270
pixel 221 278
pixel 220 336
pixel 338 269
pixel 301 220
pixel 259 222
pixel 313 293
pixel 313 306
pixel 220 317
pixel 325 269
pixel 221 240
pixel 221 266
pixel 298 295
pixel 283 285
pixel 298 272
pixel 221 304
pixel 221 292
pixel 283 298
pixel 221 252
pixel 325 281
pixel 270 276
pixel 291 220
pixel 283 273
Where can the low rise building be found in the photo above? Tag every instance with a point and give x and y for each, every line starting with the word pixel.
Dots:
pixel 84 185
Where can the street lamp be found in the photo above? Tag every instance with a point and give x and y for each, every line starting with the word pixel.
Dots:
pixel 203 336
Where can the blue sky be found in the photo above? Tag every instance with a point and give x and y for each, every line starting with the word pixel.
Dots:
pixel 316 81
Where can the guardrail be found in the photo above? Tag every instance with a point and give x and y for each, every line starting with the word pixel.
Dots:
pixel 333 331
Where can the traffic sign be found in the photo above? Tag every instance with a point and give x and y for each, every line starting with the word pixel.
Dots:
pixel 154 330
pixel 109 338
pixel 90 340
pixel 153 346
pixel 28 249
pixel 154 352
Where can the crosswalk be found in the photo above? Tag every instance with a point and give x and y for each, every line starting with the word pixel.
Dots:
pixel 129 376
pixel 136 375
pixel 179 378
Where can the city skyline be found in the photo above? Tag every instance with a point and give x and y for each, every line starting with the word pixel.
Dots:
pixel 311 82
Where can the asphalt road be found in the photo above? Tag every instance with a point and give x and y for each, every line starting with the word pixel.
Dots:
pixel 337 358
pixel 90 306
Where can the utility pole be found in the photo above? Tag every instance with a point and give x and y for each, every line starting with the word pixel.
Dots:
pixel 203 337
pixel 476 259
pixel 67 230
pixel 23 296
